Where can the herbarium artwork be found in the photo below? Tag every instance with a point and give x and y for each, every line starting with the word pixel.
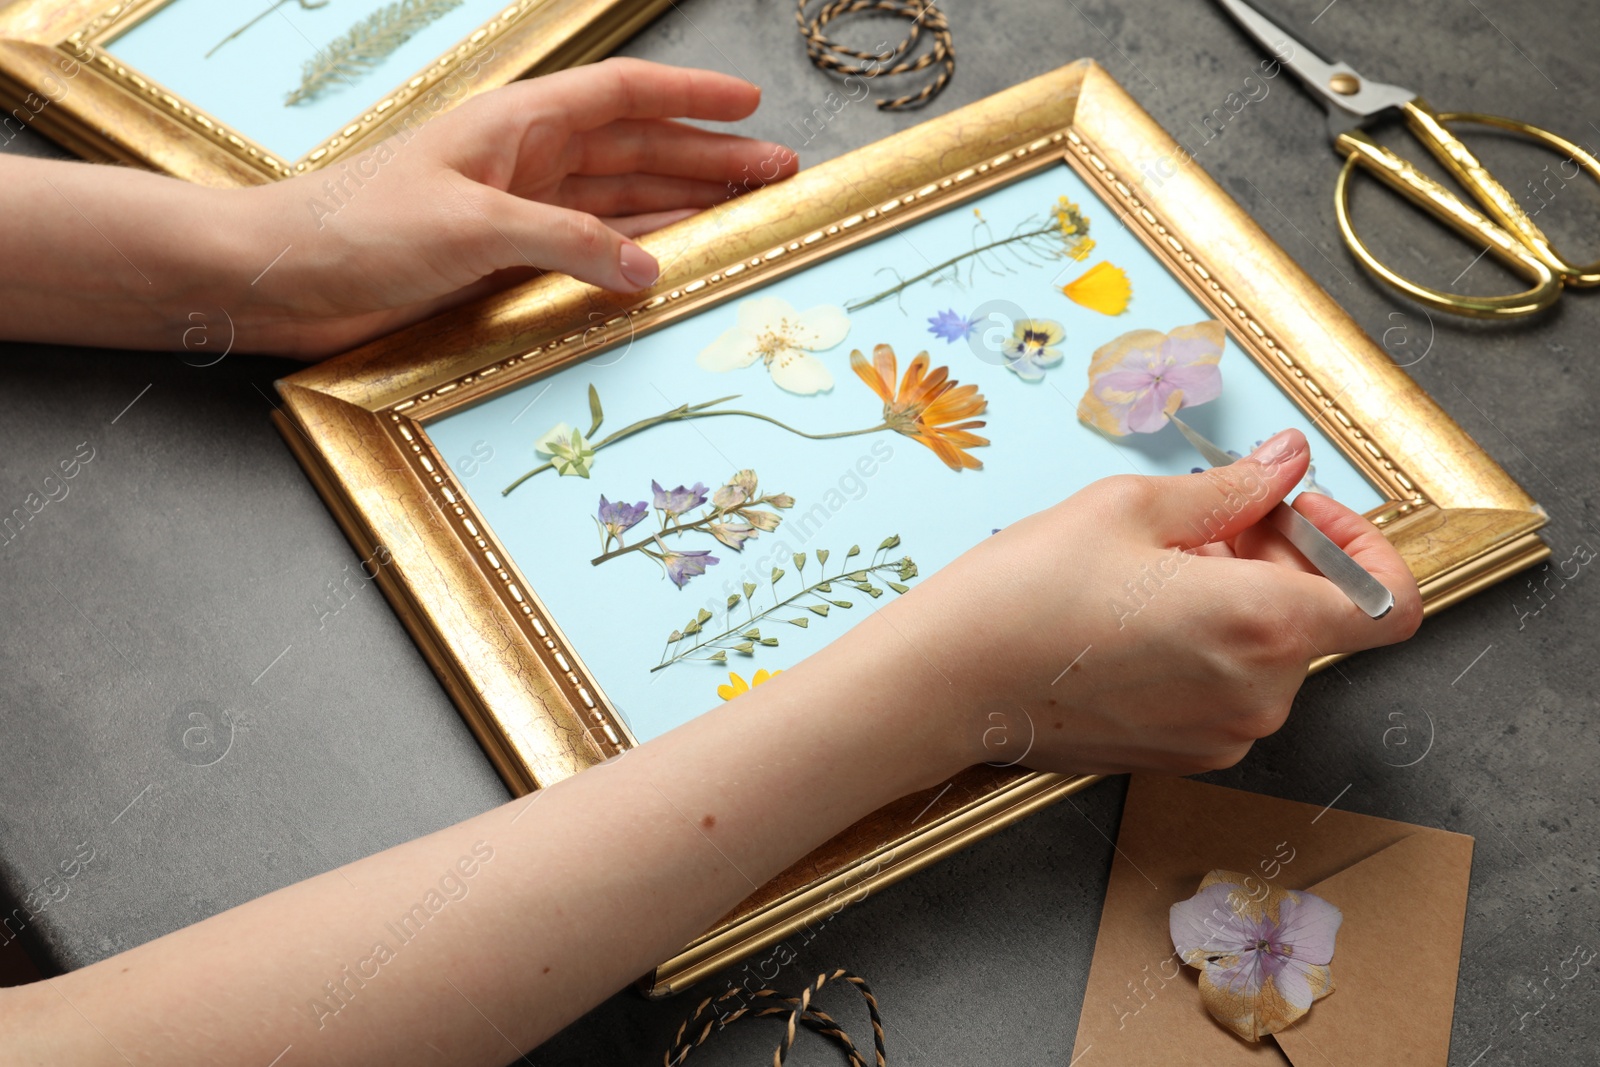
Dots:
pixel 705 505
pixel 288 72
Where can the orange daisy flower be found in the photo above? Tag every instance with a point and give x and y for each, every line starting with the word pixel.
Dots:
pixel 927 406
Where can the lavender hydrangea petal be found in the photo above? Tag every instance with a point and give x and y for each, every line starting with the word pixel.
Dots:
pixel 1310 924
pixel 1205 925
pixel 1201 383
pixel 1149 413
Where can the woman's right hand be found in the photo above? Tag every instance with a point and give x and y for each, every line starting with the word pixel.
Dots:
pixel 1145 623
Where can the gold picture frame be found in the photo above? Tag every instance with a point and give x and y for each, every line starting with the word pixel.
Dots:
pixel 59 76
pixel 358 423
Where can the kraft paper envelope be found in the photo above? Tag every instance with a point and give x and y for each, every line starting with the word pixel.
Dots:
pixel 1402 888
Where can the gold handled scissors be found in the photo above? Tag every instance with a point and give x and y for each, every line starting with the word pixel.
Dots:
pixel 1353 102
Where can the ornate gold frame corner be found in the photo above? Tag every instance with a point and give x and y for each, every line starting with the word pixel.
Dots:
pixel 55 63
pixel 358 422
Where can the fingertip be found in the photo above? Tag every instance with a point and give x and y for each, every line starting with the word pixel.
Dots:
pixel 1342 524
pixel 787 159
pixel 1283 458
pixel 645 89
pixel 1367 545
pixel 1219 503
pixel 730 97
pixel 1312 503
pixel 1407 611
pixel 639 268
pixel 743 103
pixel 769 162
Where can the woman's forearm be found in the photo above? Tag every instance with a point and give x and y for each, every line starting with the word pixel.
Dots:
pixel 105 255
pixel 483 939
pixel 477 942
pixel 559 173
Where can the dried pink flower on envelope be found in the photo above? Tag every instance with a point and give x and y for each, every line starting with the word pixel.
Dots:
pixel 1139 380
pixel 1262 952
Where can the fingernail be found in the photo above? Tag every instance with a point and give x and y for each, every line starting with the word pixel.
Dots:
pixel 639 267
pixel 1280 447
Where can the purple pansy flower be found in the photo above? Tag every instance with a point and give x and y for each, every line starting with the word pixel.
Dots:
pixel 1139 380
pixel 950 326
pixel 681 566
pixel 1032 348
pixel 679 500
pixel 617 516
pixel 1262 952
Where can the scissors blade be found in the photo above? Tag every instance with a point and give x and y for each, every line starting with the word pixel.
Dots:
pixel 1333 562
pixel 1349 98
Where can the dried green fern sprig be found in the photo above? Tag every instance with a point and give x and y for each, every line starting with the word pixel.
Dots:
pixel 743 638
pixel 366 44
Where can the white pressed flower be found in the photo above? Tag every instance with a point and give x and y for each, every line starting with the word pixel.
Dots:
pixel 569 451
pixel 770 329
pixel 560 434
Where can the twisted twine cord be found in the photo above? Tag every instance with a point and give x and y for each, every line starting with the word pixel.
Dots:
pixel 800 1013
pixel 827 54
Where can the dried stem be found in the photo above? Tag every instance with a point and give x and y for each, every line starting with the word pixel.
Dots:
pixel 814 589
pixel 952 261
pixel 684 413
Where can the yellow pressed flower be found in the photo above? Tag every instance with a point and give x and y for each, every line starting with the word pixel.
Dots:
pixel 1069 219
pixel 737 684
pixel 1103 288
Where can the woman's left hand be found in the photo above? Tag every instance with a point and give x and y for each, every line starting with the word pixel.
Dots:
pixel 555 173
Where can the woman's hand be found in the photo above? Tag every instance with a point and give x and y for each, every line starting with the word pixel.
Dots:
pixel 1141 624
pixel 556 173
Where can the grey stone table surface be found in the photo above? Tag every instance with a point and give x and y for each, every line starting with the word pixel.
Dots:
pixel 182 586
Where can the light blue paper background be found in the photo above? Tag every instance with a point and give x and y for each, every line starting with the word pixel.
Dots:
pixel 244 83
pixel 618 615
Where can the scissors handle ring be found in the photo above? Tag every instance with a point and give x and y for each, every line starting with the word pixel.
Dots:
pixel 1575 275
pixel 1361 151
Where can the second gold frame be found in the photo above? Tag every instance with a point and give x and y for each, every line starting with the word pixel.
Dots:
pixel 60 73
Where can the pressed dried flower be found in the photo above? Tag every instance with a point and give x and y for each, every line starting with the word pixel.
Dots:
pixel 1262 952
pixel 929 407
pixel 1138 381
pixel 1103 287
